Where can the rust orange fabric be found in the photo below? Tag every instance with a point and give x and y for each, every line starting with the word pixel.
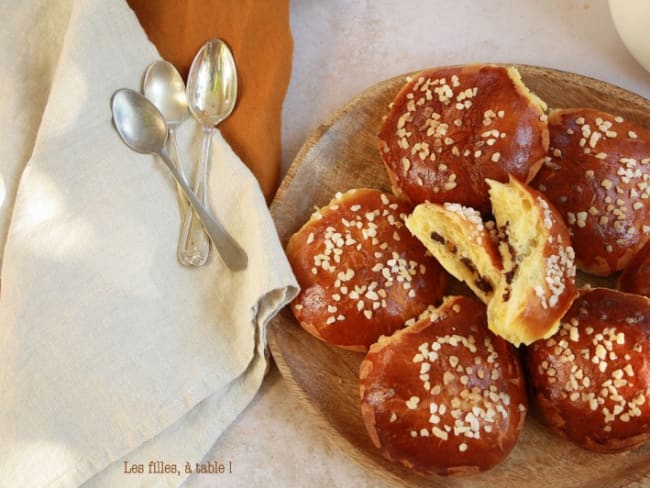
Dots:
pixel 259 35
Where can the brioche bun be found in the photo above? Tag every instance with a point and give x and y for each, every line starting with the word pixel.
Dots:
pixel 444 396
pixel 362 274
pixel 592 379
pixel 449 129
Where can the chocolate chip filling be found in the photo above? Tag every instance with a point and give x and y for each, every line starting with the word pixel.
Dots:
pixel 481 283
pixel 506 295
pixel 510 275
pixel 468 264
pixel 484 285
pixel 438 238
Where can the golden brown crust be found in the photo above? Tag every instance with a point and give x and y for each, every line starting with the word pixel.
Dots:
pixel 444 396
pixel 538 278
pixel 361 273
pixel 459 239
pixel 592 379
pixel 635 278
pixel 450 128
pixel 598 176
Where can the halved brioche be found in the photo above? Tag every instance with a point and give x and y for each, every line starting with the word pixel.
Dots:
pixel 530 271
pixel 538 278
pixel 461 242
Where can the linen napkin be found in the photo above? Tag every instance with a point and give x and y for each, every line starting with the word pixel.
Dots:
pixel 111 353
pixel 260 37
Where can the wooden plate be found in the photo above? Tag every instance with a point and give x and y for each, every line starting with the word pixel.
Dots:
pixel 342 154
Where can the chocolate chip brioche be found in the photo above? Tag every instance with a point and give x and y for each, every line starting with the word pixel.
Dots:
pixel 530 272
pixel 461 242
pixel 538 277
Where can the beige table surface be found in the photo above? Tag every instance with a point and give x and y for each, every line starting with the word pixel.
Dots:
pixel 342 47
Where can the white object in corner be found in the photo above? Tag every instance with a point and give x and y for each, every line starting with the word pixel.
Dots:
pixel 632 21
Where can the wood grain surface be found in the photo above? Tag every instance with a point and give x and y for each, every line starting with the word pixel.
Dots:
pixel 342 154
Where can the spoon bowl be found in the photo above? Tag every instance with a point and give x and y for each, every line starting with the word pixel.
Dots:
pixel 142 128
pixel 212 83
pixel 139 123
pixel 164 86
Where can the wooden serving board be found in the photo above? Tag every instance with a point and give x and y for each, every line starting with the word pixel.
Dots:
pixel 342 154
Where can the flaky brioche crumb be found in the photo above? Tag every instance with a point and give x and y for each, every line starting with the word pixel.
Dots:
pixel 538 278
pixel 457 237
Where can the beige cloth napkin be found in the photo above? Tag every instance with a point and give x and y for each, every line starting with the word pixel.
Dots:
pixel 110 351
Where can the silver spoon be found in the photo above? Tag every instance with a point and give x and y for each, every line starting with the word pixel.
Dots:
pixel 164 86
pixel 142 127
pixel 211 97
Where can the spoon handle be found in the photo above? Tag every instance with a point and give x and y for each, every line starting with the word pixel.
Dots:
pixel 232 255
pixel 194 244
